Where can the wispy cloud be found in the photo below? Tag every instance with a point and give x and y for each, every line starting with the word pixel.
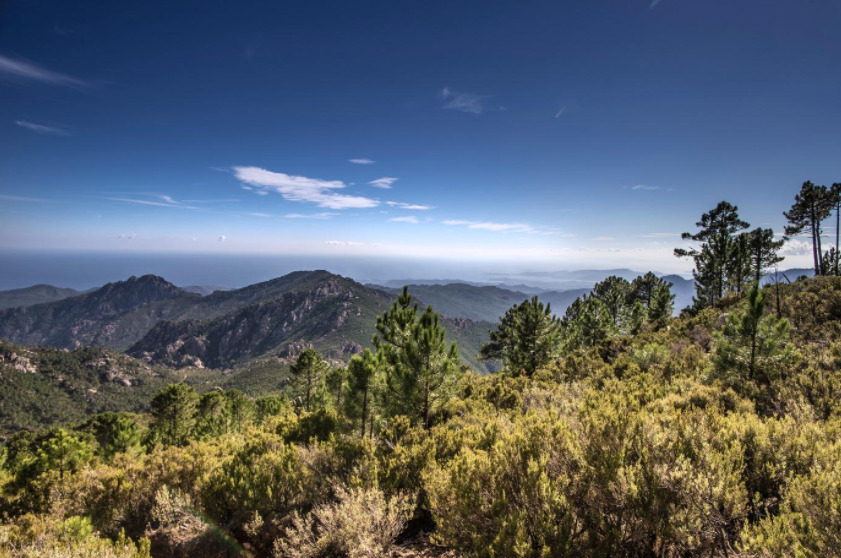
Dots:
pixel 323 215
pixel 604 239
pixel 23 199
pixel 160 201
pixel 127 236
pixel 408 219
pixel 647 188
pixel 560 112
pixel 384 182
pixel 343 243
pixel 224 200
pixel 491 226
pixel 409 206
pixel 260 215
pixel 20 70
pixel 660 235
pixel 361 161
pixel 42 129
pixel 303 189
pixel 466 102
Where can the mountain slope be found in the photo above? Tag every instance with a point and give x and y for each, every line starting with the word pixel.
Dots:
pixel 331 312
pixel 44 386
pixel 112 316
pixel 35 294
pixel 334 314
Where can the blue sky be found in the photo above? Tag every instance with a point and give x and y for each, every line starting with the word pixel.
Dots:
pixel 564 134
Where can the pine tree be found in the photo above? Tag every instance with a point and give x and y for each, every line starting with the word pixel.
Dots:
pixel 715 257
pixel 662 305
pixel 212 415
pixel 835 198
pixel 173 412
pixel 586 323
pixel 643 288
pixel 241 410
pixel 613 292
pixel 362 379
pixel 421 372
pixel 738 268
pixel 335 381
pixel 63 452
pixel 752 345
pixel 655 295
pixel 811 206
pixel 828 265
pixel 115 433
pixel 763 251
pixel 526 338
pixel 307 373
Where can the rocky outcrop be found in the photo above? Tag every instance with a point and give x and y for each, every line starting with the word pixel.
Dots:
pixel 15 361
pixel 264 327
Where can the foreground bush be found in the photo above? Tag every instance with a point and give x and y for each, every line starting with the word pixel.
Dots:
pixel 362 523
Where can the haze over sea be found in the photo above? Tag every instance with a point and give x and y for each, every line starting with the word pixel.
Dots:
pixel 84 270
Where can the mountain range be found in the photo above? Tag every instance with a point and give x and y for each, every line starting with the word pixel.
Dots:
pixel 158 322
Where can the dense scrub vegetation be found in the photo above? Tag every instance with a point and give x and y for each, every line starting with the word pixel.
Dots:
pixel 668 441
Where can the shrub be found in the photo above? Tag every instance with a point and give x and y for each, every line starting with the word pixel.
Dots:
pixel 363 522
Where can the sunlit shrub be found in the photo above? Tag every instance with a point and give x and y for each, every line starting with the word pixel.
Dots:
pixel 364 522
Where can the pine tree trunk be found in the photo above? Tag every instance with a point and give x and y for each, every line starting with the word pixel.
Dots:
pixel 816 240
pixel 426 405
pixel 364 411
pixel 837 222
pixel 309 388
pixel 815 250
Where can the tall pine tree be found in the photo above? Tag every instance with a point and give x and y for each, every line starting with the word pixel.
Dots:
pixel 422 372
pixel 763 251
pixel 811 206
pixel 362 380
pixel 717 230
pixel 308 372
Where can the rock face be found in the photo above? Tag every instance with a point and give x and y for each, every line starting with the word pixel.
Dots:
pixel 254 330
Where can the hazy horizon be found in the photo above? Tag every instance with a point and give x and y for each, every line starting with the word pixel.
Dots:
pixel 85 270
